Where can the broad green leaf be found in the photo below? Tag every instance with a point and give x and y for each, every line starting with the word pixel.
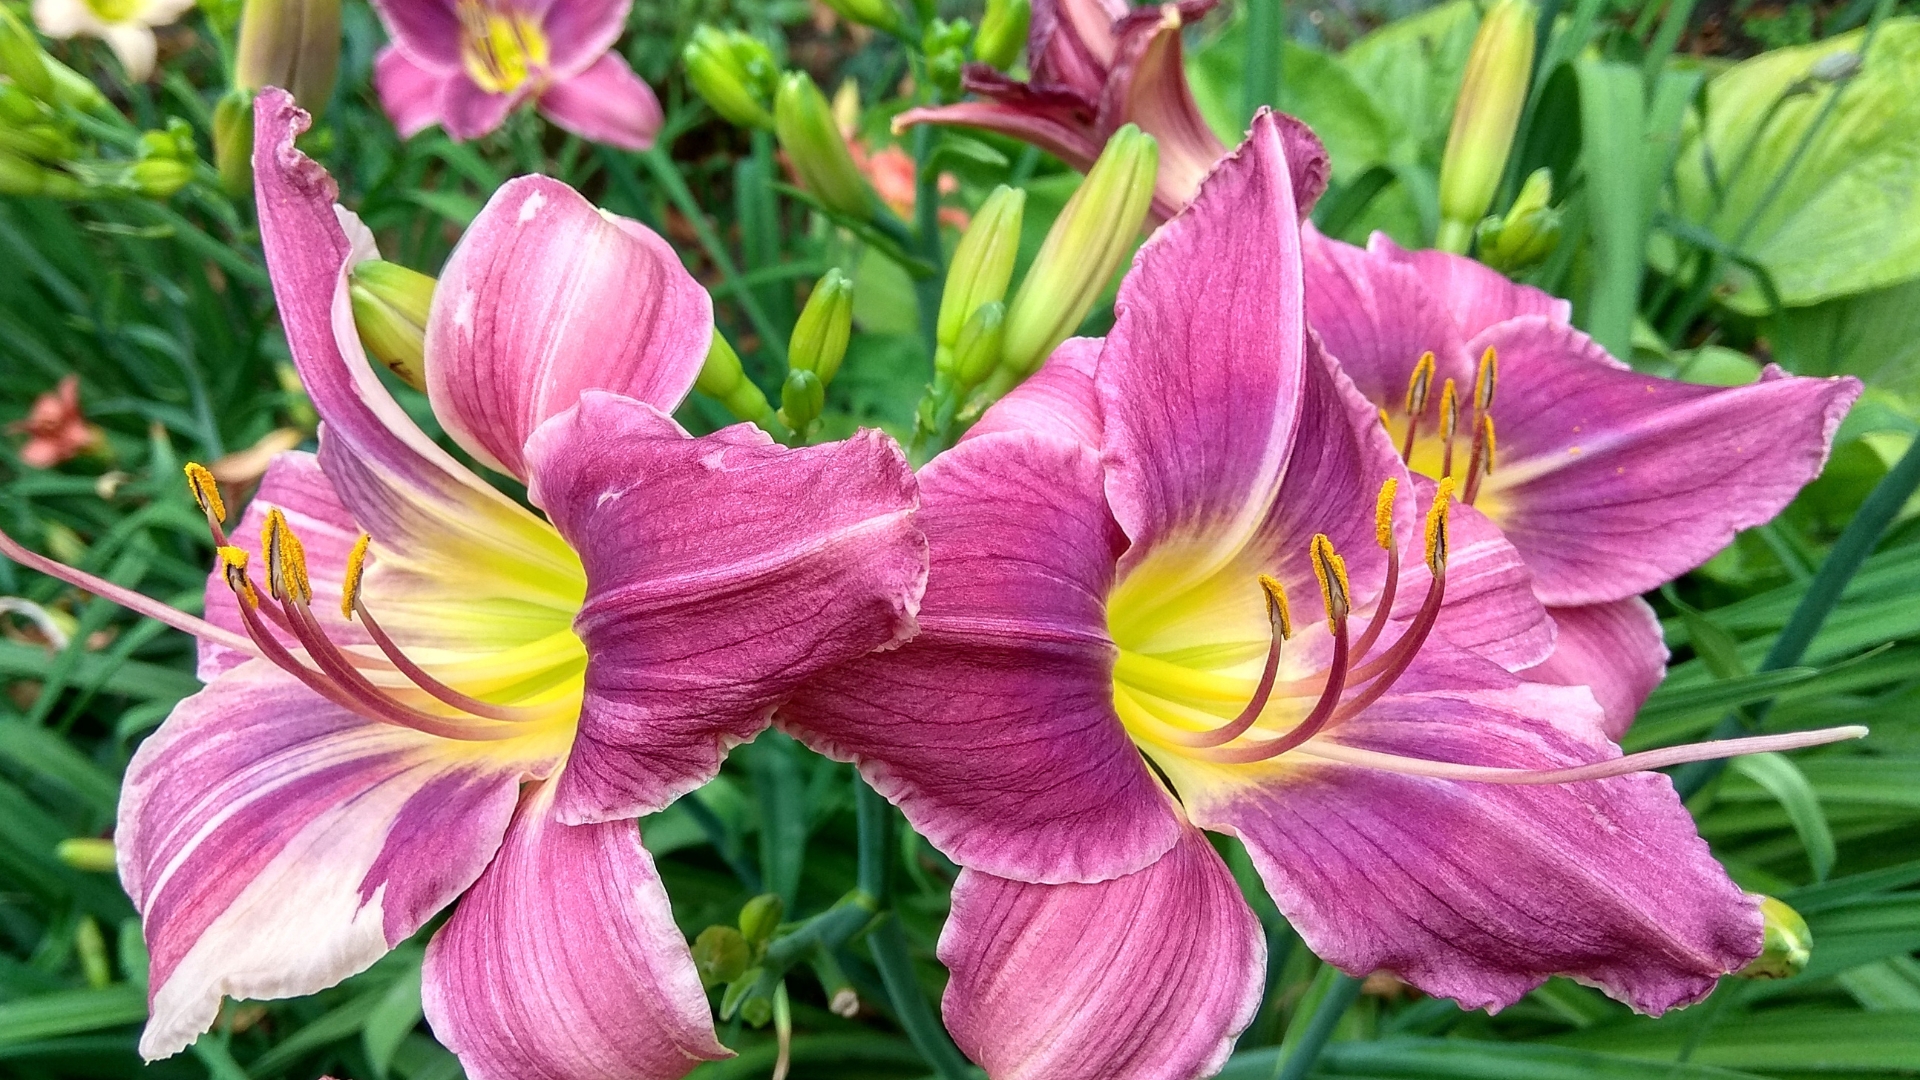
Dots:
pixel 1798 1041
pixel 1874 335
pixel 1843 216
pixel 392 1020
pixel 1784 781
pixel 70 1012
pixel 1316 87
pixel 1893 983
pixel 1412 69
pixel 1464 1059
pixel 1613 156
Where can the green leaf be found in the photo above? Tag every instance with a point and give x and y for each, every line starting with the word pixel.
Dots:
pixel 1317 87
pixel 1613 156
pixel 1798 1041
pixel 1412 68
pixel 392 1020
pixel 1785 782
pixel 71 1012
pixel 1465 1059
pixel 1844 216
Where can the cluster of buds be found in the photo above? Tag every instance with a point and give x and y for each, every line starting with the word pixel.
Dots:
pixel 945 45
pixel 814 352
pixel 1527 234
pixel 734 73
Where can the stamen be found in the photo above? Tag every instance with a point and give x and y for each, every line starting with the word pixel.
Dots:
pixel 1436 553
pixel 234 561
pixel 1383 513
pixel 1449 421
pixel 434 687
pixel 1382 535
pixel 206 495
pixel 1417 386
pixel 1277 612
pixel 138 603
pixel 1484 380
pixel 286 559
pixel 356 569
pixel 1391 664
pixel 1480 460
pixel 1331 570
pixel 1599 770
pixel 1282 625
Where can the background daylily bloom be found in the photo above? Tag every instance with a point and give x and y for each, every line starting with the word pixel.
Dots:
pixel 1114 550
pixel 466 64
pixel 1607 481
pixel 529 684
pixel 1098 65
pixel 56 429
pixel 125 25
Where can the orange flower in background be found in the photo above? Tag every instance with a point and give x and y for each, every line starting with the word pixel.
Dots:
pixel 890 171
pixel 56 430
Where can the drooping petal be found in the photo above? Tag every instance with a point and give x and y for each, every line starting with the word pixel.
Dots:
pixel 294 484
pixel 1616 650
pixel 1475 294
pixel 467 111
pixel 1611 482
pixel 1148 86
pixel 1056 121
pixel 275 844
pixel 427 31
pixel 1070 43
pixel 1145 977
pixel 579 33
pixel 993 729
pixel 1058 400
pixel 545 298
pixel 1376 317
pixel 1201 378
pixel 606 103
pixel 409 93
pixel 722 572
pixel 1479 892
pixel 563 961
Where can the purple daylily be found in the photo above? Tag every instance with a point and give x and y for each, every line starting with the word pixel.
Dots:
pixel 1100 674
pixel 1096 65
pixel 531 684
pixel 1607 481
pixel 466 64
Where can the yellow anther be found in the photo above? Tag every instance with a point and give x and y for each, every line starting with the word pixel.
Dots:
pixel 1437 527
pixel 1484 380
pixel 356 568
pixel 1449 409
pixel 1486 443
pixel 233 562
pixel 206 491
pixel 1331 570
pixel 1277 605
pixel 1383 514
pixel 1419 384
pixel 286 559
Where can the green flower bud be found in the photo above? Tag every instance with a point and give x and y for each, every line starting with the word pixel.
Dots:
pixel 1087 243
pixel 759 918
pixel 1003 31
pixel 90 947
pixel 233 142
pixel 734 73
pixel 292 44
pixel 17 107
pixel 723 379
pixel 158 177
pixel 720 955
pixel 1529 232
pixel 1786 946
pixel 74 90
pixel 89 854
pixel 801 399
pixel 879 14
pixel 22 59
pixel 820 335
pixel 977 350
pixel 983 261
pixel 40 142
pixel 390 305
pixel 1484 119
pixel 21 176
pixel 804 125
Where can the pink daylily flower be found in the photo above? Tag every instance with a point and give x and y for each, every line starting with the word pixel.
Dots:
pixel 530 684
pixel 1607 481
pixel 466 64
pixel 1100 674
pixel 55 427
pixel 1097 65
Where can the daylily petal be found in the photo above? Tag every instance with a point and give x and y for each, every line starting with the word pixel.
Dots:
pixel 1616 650
pixel 722 572
pixel 994 730
pixel 135 47
pixel 1058 400
pixel 1070 43
pixel 563 962
pixel 1475 294
pixel 1611 482
pixel 1059 123
pixel 409 93
pixel 427 31
pixel 1490 608
pixel 1476 891
pixel 1376 316
pixel 1148 86
pixel 275 844
pixel 468 112
pixel 606 103
pixel 294 483
pixel 1146 977
pixel 545 298
pixel 1201 378
pixel 579 33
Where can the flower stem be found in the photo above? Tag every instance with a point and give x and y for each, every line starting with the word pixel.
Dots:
pixel 1301 1048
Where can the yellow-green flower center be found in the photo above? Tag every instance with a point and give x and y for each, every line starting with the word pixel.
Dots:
pixel 501 50
pixel 114 11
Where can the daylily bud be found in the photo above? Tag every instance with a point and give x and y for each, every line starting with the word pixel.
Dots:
pixel 723 379
pixel 759 918
pixel 1529 232
pixel 74 90
pixel 17 107
pixel 1087 243
pixel 820 336
pixel 977 350
pixel 41 142
pixel 292 44
pixel 90 948
pixel 945 46
pixel 802 397
pixel 734 73
pixel 720 955
pixel 390 305
pixel 159 177
pixel 1484 119
pixel 880 14
pixel 1003 30
pixel 982 262
pixel 813 143
pixel 233 142
pixel 89 854
pixel 22 59
pixel 1786 946
pixel 20 176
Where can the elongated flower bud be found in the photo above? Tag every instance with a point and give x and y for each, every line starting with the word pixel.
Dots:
pixel 724 380
pixel 1484 119
pixel 88 854
pixel 982 264
pixel 1528 233
pixel 1003 30
pixel 802 397
pixel 233 142
pixel 804 125
pixel 820 335
pixel 22 59
pixel 1786 946
pixel 390 305
pixel 733 73
pixel 879 14
pixel 292 44
pixel 976 352
pixel 1087 243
